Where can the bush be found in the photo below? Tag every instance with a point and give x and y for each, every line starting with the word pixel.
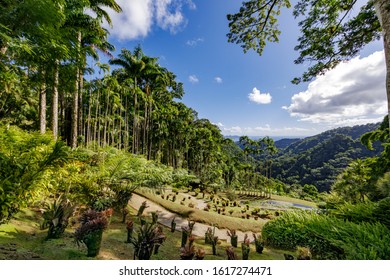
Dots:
pixel 382 212
pixel 357 213
pixel 24 160
pixel 231 195
pixel 328 237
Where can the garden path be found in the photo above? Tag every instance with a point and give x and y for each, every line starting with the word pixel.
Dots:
pixel 165 217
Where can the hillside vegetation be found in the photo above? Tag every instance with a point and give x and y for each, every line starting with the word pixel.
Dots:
pixel 317 160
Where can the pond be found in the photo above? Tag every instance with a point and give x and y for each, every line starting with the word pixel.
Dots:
pixel 275 204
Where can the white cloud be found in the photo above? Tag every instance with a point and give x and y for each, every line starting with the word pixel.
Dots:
pixel 193 79
pixel 169 15
pixel 352 93
pixel 267 130
pixel 194 42
pixel 138 17
pixel 259 98
pixel 218 80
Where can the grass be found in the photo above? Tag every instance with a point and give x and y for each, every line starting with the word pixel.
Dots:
pixel 206 217
pixel 211 217
pixel 21 238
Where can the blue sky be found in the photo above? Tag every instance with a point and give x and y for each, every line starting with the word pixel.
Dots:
pixel 245 94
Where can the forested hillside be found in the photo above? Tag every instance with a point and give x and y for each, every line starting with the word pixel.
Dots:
pixel 317 160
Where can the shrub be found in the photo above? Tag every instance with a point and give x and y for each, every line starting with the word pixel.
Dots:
pixel 231 195
pixel 382 212
pixel 357 213
pixel 24 160
pixel 328 237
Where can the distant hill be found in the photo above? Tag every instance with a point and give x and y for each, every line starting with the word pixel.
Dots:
pixel 317 160
pixel 236 138
pixel 285 142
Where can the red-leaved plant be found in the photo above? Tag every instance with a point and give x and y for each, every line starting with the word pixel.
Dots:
pixel 92 225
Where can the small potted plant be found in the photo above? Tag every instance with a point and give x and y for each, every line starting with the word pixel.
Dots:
pixel 199 254
pixel 231 254
pixel 233 237
pixel 187 251
pixel 173 225
pixel 130 229
pixel 259 243
pixel 148 239
pixel 245 248
pixel 208 236
pixel 90 231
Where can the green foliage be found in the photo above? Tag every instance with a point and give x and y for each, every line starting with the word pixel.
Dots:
pixel 353 183
pixel 328 237
pixel 356 213
pixel 329 34
pixel 148 236
pixel 24 159
pixel 56 216
pixel 384 185
pixel 319 159
pixel 291 230
pixel 256 23
pixel 382 212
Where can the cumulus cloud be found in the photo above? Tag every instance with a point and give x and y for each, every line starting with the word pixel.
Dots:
pixel 193 79
pixel 259 98
pixel 218 80
pixel 352 93
pixel 194 42
pixel 138 17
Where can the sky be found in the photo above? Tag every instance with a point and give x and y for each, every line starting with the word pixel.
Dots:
pixel 243 93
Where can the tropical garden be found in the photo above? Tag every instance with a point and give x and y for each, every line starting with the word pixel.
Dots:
pixel 75 153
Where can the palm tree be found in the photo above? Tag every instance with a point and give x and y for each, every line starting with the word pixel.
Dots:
pixel 82 24
pixel 270 150
pixel 136 66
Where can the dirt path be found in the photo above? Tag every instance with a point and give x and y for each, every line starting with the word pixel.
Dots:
pixel 165 218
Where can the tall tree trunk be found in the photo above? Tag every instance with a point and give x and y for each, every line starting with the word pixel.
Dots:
pixel 382 8
pixel 42 103
pixel 96 125
pixel 135 123
pixel 81 107
pixel 54 104
pixel 88 136
pixel 75 101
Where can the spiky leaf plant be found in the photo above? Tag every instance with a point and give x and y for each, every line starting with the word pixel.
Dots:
pixel 259 243
pixel 149 235
pixel 56 216
pixel 245 248
pixel 233 237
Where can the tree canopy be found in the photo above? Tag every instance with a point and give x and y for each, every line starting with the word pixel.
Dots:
pixel 331 30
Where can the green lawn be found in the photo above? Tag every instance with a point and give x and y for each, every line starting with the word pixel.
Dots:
pixel 21 238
